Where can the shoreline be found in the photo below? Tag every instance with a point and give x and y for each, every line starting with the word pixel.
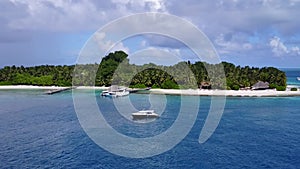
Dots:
pixel 25 87
pixel 227 93
pixel 188 92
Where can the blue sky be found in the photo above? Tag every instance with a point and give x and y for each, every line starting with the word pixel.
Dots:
pixel 256 33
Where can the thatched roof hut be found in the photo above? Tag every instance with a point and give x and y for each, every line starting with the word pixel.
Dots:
pixel 205 85
pixel 260 85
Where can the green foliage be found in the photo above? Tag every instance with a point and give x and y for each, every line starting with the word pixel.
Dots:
pixel 155 86
pixel 108 66
pixel 141 86
pixel 44 75
pixel 294 89
pixel 281 88
pixel 272 86
pixel 3 83
pixel 247 77
pixel 115 69
pixel 169 84
pixel 235 87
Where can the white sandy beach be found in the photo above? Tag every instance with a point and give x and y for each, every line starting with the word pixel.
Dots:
pixel 234 93
pixel 93 87
pixel 195 92
pixel 30 87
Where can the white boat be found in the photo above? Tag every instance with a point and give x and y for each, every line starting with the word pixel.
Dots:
pixel 298 78
pixel 115 92
pixel 105 93
pixel 144 114
pixel 121 92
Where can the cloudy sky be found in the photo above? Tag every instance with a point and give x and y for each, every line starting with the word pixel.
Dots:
pixel 244 32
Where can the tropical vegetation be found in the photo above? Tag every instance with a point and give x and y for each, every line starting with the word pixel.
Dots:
pixel 116 69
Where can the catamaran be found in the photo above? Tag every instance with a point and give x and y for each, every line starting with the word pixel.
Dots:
pixel 114 91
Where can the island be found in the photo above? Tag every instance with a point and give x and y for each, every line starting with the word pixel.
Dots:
pixel 190 78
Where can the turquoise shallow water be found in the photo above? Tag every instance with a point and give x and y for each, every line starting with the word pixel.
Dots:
pixel 292 74
pixel 42 131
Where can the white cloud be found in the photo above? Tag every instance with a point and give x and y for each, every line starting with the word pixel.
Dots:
pixel 295 50
pixel 57 15
pixel 108 45
pixel 159 56
pixel 229 24
pixel 141 5
pixel 242 16
pixel 227 46
pixel 62 15
pixel 280 49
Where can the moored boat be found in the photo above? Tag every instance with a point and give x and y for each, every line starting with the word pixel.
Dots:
pixel 144 114
pixel 114 91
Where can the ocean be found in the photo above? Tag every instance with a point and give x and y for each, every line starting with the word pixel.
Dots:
pixel 292 74
pixel 43 131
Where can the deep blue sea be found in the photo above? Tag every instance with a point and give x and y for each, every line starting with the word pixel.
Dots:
pixel 43 131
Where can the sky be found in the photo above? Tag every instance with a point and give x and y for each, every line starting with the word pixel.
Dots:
pixel 244 32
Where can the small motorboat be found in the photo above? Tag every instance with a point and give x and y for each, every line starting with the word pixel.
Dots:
pixel 298 78
pixel 144 114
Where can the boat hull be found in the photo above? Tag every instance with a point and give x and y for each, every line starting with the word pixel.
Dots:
pixel 115 94
pixel 144 114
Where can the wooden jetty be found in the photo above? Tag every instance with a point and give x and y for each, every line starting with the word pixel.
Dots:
pixel 50 92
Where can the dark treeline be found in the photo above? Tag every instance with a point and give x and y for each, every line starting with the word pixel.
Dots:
pixel 44 75
pixel 116 69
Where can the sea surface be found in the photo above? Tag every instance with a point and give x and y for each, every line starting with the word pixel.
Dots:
pixel 292 74
pixel 43 131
